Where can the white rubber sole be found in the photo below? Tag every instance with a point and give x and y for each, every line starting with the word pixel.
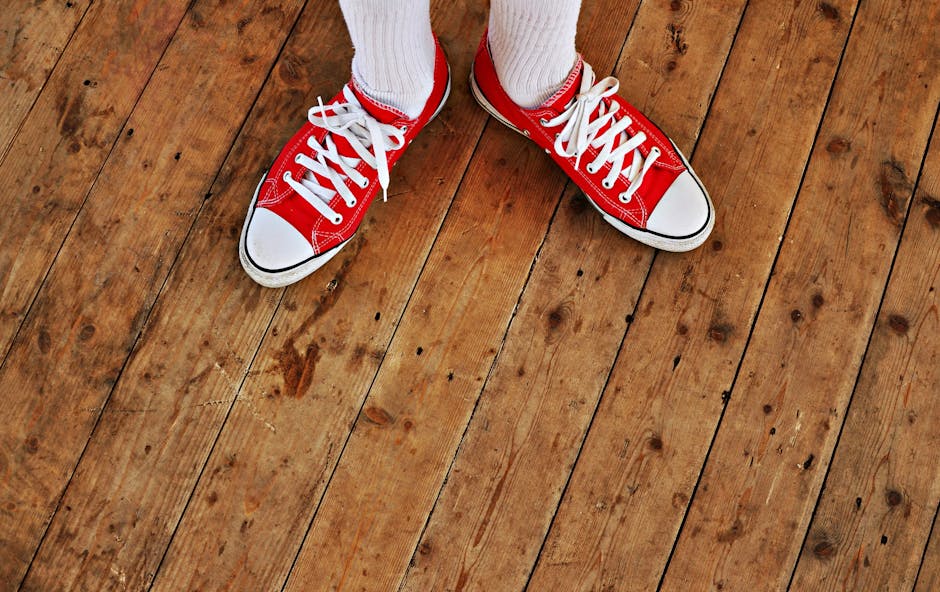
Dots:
pixel 657 241
pixel 279 279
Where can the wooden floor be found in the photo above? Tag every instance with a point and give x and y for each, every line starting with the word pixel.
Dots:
pixel 489 388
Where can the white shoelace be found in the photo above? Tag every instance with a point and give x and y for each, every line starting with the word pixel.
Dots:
pixel 363 132
pixel 581 132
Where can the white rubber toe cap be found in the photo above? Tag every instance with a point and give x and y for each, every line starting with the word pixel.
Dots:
pixel 273 244
pixel 683 210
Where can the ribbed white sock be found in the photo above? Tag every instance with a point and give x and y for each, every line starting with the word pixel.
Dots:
pixel 532 42
pixel 395 50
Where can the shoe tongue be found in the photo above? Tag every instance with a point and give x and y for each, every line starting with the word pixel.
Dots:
pixel 568 90
pixel 381 112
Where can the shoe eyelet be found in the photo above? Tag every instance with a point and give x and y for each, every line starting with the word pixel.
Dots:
pixel 625 198
pixel 351 204
pixel 337 220
pixel 606 184
pixel 543 121
pixel 591 168
pixel 297 159
pixel 364 184
pixel 286 176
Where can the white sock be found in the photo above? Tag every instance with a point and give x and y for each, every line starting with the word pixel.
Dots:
pixel 395 51
pixel 532 42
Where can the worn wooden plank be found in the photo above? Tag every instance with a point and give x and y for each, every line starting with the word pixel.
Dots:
pixel 746 522
pixel 69 133
pixel 929 576
pixel 637 468
pixel 499 498
pixel 85 320
pixel 254 501
pixel 32 37
pixel 403 442
pixel 873 519
pixel 128 493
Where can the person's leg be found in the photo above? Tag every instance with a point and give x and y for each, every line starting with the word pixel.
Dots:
pixel 532 43
pixel 395 50
pixel 315 194
pixel 527 74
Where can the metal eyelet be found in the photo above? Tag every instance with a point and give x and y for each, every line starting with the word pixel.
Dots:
pixel 606 184
pixel 624 199
pixel 286 176
pixel 297 159
pixel 364 184
pixel 352 204
pixel 591 168
pixel 338 220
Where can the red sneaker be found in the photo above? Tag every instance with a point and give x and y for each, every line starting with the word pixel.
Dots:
pixel 316 193
pixel 630 171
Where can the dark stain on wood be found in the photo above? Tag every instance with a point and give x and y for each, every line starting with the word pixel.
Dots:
pixel 818 300
pixel 377 416
pixel 678 41
pixel 824 549
pixel 933 211
pixel 31 445
pixel 719 332
pixel 808 463
pixel 796 316
pixel 734 532
pixel 675 362
pixel 297 369
pixel 894 186
pixel 70 114
pixel 768 409
pixel 893 497
pixel 87 332
pixel 898 324
pixel 829 11
pixel 655 442
pixel 44 341
pixel 556 318
pixel 838 145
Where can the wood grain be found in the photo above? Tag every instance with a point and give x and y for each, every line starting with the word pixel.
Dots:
pixel 65 140
pixel 130 489
pixel 32 38
pixel 778 434
pixel 879 500
pixel 491 517
pixel 260 487
pixel 929 576
pixel 78 334
pixel 637 469
pixel 401 446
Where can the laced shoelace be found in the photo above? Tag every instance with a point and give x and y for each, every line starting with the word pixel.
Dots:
pixel 585 117
pixel 371 141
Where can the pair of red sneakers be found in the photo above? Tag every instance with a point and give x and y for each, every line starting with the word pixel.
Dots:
pixel 315 195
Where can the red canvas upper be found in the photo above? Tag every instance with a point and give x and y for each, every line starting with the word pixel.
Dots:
pixel 278 197
pixel 657 180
